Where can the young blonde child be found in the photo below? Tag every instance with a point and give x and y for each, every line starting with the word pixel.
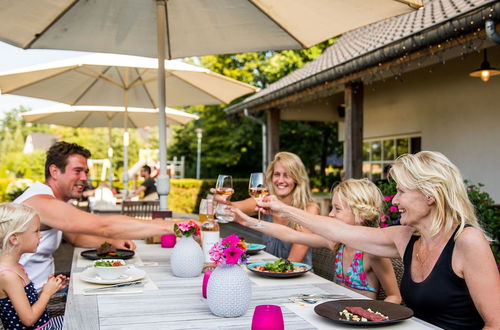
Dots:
pixel 20 305
pixel 355 202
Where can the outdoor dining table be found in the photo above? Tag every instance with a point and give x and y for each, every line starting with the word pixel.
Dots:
pixel 168 302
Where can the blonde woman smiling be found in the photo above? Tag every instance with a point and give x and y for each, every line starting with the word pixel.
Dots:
pixel 451 279
pixel 287 179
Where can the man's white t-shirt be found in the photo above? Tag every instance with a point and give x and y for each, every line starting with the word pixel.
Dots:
pixel 40 265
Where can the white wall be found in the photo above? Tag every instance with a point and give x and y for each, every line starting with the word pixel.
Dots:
pixel 456 114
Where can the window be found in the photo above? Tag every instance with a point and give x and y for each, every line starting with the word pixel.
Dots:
pixel 378 153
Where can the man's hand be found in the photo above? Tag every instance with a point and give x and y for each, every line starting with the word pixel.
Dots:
pixel 123 244
pixel 220 199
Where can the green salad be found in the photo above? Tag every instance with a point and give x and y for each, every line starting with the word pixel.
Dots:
pixel 107 263
pixel 280 266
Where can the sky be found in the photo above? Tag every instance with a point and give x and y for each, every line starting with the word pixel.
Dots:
pixel 12 58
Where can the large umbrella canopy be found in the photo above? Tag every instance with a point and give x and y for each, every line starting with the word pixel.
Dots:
pixel 179 28
pixel 121 80
pixel 193 27
pixel 104 79
pixel 95 116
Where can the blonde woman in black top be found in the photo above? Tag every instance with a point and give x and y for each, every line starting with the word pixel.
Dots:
pixel 451 279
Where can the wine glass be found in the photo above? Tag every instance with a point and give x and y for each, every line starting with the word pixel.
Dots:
pixel 257 189
pixel 224 188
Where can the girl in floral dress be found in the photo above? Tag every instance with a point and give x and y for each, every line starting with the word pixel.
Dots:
pixel 356 202
pixel 20 305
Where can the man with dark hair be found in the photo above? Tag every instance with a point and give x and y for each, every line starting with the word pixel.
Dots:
pixel 148 187
pixel 66 176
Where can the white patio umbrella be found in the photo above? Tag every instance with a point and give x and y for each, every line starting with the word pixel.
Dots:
pixel 179 28
pixel 95 116
pixel 121 80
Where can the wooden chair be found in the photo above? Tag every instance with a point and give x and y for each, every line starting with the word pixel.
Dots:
pixel 140 209
pixel 145 210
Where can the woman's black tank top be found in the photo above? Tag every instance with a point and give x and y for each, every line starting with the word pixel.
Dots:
pixel 443 298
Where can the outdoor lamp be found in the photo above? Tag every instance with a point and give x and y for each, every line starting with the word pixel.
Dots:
pixel 485 71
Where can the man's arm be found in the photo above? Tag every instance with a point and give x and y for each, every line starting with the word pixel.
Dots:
pixel 89 241
pixel 65 217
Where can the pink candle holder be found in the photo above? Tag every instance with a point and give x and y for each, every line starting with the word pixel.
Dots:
pixel 168 241
pixel 268 317
pixel 206 276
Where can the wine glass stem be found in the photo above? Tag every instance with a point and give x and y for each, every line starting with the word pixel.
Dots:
pixel 258 215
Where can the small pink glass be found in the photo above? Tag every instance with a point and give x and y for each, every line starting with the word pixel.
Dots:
pixel 206 276
pixel 168 241
pixel 268 317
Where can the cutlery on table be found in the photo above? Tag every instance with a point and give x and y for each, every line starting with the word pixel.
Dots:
pixel 114 286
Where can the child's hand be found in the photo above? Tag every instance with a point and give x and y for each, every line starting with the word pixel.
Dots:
pixel 54 284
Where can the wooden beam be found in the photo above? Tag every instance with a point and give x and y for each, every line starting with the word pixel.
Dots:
pixel 353 147
pixel 273 132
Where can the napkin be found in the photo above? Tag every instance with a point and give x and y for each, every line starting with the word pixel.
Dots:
pixel 79 286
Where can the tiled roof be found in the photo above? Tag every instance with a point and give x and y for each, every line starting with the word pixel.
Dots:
pixel 365 40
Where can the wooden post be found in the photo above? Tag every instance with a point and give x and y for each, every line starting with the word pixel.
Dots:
pixel 273 133
pixel 353 148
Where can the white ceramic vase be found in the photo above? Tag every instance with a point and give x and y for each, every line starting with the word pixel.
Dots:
pixel 229 291
pixel 187 258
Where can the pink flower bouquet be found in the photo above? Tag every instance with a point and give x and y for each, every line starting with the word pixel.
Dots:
pixel 229 251
pixel 187 229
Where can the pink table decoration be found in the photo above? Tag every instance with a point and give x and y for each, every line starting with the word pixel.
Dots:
pixel 206 276
pixel 267 317
pixel 168 241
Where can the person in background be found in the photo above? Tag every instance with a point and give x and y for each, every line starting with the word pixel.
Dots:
pixel 21 307
pixel 451 279
pixel 286 177
pixel 65 178
pixel 357 203
pixel 148 187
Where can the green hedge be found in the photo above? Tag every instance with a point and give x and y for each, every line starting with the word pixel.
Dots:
pixel 4 182
pixel 186 194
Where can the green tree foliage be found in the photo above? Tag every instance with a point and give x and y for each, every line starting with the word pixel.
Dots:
pixel 234 145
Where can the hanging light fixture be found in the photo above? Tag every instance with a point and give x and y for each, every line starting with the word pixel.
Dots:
pixel 485 71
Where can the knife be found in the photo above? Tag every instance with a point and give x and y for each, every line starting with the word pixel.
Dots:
pixel 121 285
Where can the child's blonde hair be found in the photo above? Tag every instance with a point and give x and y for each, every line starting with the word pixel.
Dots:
pixel 363 198
pixel 436 176
pixel 14 218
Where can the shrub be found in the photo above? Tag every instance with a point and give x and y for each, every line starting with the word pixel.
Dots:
pixel 4 182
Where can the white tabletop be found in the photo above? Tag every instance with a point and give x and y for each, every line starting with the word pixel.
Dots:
pixel 178 304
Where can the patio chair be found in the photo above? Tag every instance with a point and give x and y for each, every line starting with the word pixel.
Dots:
pixel 323 259
pixel 397 264
pixel 145 210
pixel 140 209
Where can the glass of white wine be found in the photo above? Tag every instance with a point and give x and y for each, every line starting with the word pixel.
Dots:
pixel 257 189
pixel 224 188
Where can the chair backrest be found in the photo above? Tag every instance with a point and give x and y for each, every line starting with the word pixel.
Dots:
pixel 323 260
pixel 140 209
pixel 399 268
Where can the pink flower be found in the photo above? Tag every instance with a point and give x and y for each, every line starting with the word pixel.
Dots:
pixel 388 198
pixel 384 218
pixel 393 208
pixel 233 254
pixel 231 240
pixel 383 225
pixel 185 226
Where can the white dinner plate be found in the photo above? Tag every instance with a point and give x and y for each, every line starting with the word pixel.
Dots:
pixel 132 274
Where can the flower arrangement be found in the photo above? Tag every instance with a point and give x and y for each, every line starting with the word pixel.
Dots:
pixel 187 229
pixel 229 251
pixel 391 213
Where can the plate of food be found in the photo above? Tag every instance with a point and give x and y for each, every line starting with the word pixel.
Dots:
pixel 253 248
pixel 363 312
pixel 106 251
pixel 279 268
pixel 131 274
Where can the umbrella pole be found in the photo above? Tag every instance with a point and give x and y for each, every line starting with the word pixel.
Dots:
pixel 110 155
pixel 125 145
pixel 163 185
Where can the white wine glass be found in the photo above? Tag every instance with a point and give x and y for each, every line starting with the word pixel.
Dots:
pixel 257 189
pixel 224 188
